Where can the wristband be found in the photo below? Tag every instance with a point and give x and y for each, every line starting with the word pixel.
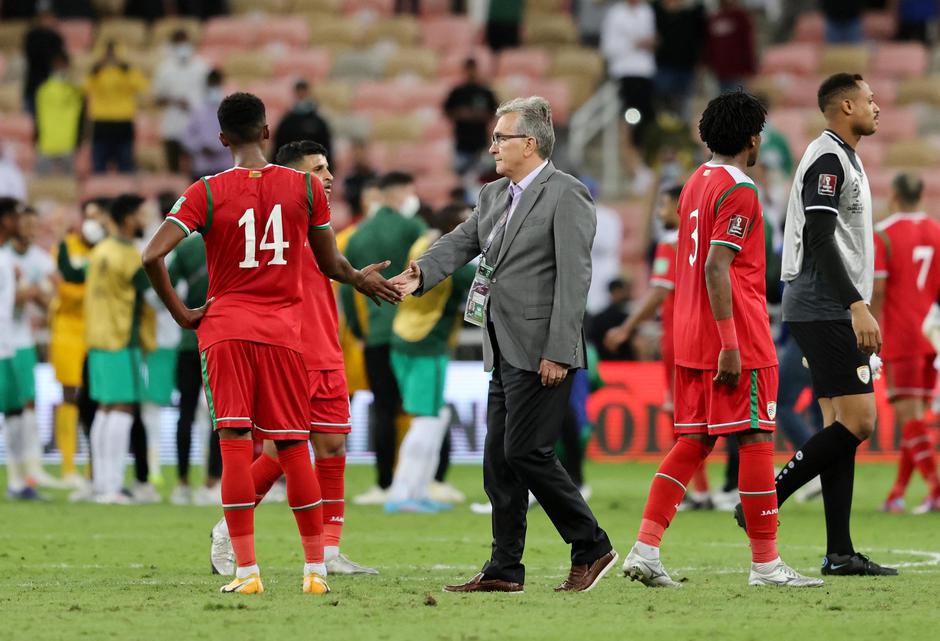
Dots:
pixel 727 333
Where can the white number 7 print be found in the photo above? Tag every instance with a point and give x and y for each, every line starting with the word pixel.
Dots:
pixel 274 226
pixel 924 255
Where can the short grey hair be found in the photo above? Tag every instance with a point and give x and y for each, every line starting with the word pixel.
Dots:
pixel 535 119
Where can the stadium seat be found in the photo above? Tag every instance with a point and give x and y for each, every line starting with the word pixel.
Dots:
pixel 879 25
pixel 334 95
pixel 373 7
pixel 108 186
pixel 11 97
pixel 414 62
pixel 912 153
pixel 546 7
pixel 434 189
pixel 422 158
pixel 874 154
pixel 17 127
pixel 311 64
pixel 349 125
pixel 77 34
pixel 396 129
pixel 246 66
pixel 401 30
pixel 925 89
pixel 152 185
pixel 359 65
pixel 795 93
pixel 577 61
pixel 164 28
pixel 377 96
pixel 844 58
pixel 810 27
pixel 146 60
pixel 425 95
pixel 60 189
pixel 450 33
pixel 335 33
pixel 798 58
pixel 451 65
pixel 146 128
pixel 532 63
pixel 557 94
pixel 129 32
pixel 277 95
pixel 232 31
pixel 902 125
pixel 315 6
pixel 290 31
pixel 25 155
pixel 549 30
pixel 435 8
pixel 900 59
pixel 150 157
pixel 12 33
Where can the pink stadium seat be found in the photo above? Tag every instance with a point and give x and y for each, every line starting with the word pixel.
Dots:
pixel 146 128
pixel 434 189
pixel 377 7
pixel 450 34
pixel 880 183
pixel 312 64
pixel 873 153
pixel 151 185
pixel 800 58
pixel 533 63
pixel 422 158
pixel 886 90
pixel 78 34
pixel 277 96
pixel 879 25
pixel 216 55
pixel 235 31
pixel 800 91
pixel 426 95
pixel 25 156
pixel 931 178
pixel 292 31
pixel 900 125
pixel 810 27
pixel 435 7
pixel 900 59
pixel 378 97
pixel 558 95
pixel 17 127
pixel 108 185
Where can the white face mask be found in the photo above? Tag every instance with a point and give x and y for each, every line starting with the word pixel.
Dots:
pixel 183 51
pixel 410 206
pixel 93 232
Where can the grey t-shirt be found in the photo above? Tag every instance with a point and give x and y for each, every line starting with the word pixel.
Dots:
pixel 829 181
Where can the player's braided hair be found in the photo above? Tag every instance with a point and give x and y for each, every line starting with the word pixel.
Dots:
pixel 730 120
pixel 241 118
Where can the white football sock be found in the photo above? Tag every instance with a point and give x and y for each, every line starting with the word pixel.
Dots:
pixel 13 440
pixel 319 568
pixel 98 438
pixel 32 447
pixel 410 468
pixel 647 551
pixel 243 572
pixel 330 552
pixel 152 415
pixel 434 431
pixel 119 440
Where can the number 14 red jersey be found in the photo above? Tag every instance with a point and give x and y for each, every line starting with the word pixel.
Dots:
pixel 255 224
pixel 719 206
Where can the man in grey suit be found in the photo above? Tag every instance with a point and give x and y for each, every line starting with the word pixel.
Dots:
pixel 534 228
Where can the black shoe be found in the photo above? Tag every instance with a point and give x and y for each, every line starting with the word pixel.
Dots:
pixel 739 517
pixel 853 565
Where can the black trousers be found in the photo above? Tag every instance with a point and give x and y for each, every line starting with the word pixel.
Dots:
pixel 189 383
pixel 573 457
pixel 523 424
pixel 385 405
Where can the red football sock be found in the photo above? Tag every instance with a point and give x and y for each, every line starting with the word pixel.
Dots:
pixel 700 479
pixel 668 487
pixel 265 472
pixel 922 453
pixel 331 473
pixel 238 498
pixel 905 470
pixel 759 499
pixel 303 496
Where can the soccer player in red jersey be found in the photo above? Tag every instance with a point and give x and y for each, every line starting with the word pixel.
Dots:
pixel 907 283
pixel 662 294
pixel 328 392
pixel 257 220
pixel 726 364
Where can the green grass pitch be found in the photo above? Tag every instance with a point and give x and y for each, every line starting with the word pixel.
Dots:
pixel 142 572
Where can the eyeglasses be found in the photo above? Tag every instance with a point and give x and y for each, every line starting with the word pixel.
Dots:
pixel 499 139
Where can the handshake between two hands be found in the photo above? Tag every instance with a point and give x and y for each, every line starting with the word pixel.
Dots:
pixel 372 284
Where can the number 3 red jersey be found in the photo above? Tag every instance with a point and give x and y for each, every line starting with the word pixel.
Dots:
pixel 719 206
pixel 255 224
pixel 907 255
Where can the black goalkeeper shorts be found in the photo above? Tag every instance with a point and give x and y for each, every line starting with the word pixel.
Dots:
pixel 836 365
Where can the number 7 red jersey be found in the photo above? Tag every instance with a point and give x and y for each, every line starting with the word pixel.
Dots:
pixel 719 206
pixel 907 255
pixel 255 224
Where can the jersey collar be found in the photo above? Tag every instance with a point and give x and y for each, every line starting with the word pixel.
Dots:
pixel 853 158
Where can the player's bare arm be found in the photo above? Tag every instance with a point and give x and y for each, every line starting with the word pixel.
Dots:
pixel 620 335
pixel 368 281
pixel 718 282
pixel 168 236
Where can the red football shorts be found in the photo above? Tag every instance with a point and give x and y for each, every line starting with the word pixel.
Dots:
pixel 703 407
pixel 329 401
pixel 913 377
pixel 252 385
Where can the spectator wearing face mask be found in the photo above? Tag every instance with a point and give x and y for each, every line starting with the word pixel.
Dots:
pixel 201 135
pixel 303 122
pixel 179 86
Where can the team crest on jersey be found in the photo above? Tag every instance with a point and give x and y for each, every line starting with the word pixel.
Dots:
pixel 738 225
pixel 827 184
pixel 864 374
pixel 178 204
pixel 772 410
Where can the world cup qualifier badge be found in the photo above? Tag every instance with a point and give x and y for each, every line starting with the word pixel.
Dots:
pixel 737 226
pixel 827 185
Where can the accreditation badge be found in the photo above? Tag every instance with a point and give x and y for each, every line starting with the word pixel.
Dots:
pixel 475 313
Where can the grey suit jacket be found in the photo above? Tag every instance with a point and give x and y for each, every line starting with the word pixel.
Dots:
pixel 542 271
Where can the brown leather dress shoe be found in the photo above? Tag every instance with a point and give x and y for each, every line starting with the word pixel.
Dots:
pixel 481 584
pixel 583 578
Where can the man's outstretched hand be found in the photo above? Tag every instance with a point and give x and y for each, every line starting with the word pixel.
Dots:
pixel 371 283
pixel 408 281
